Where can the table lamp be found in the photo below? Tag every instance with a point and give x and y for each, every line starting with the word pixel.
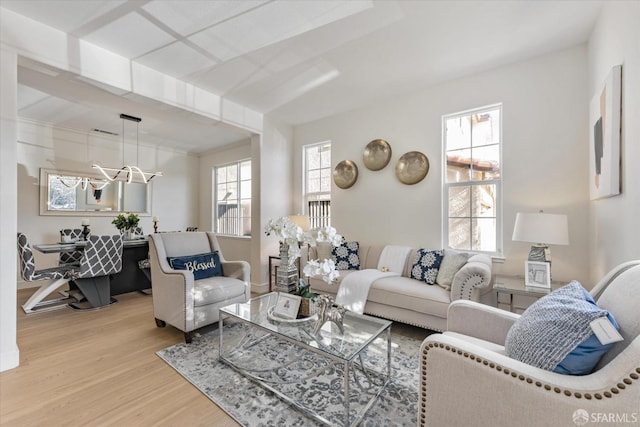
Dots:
pixel 542 229
pixel 301 221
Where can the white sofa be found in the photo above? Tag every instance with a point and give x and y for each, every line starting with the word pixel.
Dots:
pixel 411 301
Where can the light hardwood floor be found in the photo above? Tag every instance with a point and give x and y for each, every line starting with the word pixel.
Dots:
pixel 99 368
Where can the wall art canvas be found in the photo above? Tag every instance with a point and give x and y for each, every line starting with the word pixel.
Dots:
pixel 604 135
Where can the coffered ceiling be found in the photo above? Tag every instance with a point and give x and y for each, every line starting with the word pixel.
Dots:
pixel 296 61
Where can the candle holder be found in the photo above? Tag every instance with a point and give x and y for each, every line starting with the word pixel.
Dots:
pixel 155 226
pixel 85 232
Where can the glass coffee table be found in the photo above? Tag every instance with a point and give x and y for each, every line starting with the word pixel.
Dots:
pixel 331 376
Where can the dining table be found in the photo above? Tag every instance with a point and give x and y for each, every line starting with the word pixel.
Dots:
pixel 131 278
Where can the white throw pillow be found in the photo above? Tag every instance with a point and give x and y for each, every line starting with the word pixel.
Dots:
pixel 451 263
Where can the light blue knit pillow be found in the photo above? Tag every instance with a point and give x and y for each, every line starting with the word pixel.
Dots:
pixel 554 332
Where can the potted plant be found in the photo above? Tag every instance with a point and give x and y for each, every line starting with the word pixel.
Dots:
pixel 126 223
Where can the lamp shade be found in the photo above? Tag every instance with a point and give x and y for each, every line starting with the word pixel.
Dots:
pixel 301 221
pixel 544 228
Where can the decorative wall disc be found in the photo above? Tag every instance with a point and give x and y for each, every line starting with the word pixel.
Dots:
pixel 412 167
pixel 377 154
pixel 345 174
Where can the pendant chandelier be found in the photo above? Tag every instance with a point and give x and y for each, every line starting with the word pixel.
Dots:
pixel 83 182
pixel 126 172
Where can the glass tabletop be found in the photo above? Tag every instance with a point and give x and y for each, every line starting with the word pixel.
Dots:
pixel 359 330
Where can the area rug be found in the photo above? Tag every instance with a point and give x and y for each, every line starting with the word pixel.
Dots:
pixel 253 406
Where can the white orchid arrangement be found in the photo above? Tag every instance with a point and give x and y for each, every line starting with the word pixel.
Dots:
pixel 292 234
pixel 326 268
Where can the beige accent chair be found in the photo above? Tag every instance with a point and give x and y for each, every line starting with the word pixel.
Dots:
pixel 460 366
pixel 183 302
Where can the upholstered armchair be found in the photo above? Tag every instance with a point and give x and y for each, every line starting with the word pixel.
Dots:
pixel 467 379
pixel 178 298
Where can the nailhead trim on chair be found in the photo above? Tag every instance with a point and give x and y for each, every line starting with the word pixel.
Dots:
pixel 478 279
pixel 633 376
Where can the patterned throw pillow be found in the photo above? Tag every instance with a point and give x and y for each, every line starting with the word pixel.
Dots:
pixel 426 264
pixel 202 265
pixel 346 256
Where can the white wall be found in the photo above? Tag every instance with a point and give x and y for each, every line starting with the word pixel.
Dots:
pixel 233 248
pixel 9 353
pixel 276 185
pixel 614 223
pixel 544 160
pixel 271 158
pixel 174 197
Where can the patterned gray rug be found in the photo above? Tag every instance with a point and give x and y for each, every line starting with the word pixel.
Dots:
pixel 253 406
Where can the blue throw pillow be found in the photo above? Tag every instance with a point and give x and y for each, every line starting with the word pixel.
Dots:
pixel 346 256
pixel 426 264
pixel 202 265
pixel 554 332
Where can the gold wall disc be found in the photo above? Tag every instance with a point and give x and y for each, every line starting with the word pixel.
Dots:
pixel 412 167
pixel 377 154
pixel 345 174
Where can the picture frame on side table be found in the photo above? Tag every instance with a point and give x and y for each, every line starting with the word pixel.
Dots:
pixel 287 305
pixel 537 274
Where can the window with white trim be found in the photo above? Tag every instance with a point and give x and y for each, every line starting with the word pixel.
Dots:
pixel 472 180
pixel 233 198
pixel 317 183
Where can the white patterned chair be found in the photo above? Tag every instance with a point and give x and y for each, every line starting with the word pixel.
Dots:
pixel 102 257
pixel 183 302
pixel 55 277
pixel 71 258
pixel 467 379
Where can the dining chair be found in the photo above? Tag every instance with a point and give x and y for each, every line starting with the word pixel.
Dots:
pixel 55 277
pixel 102 257
pixel 70 258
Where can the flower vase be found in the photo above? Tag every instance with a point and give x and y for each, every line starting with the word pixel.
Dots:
pixel 127 234
pixel 287 279
pixel 307 308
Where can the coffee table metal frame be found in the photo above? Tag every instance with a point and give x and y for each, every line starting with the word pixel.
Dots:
pixel 255 314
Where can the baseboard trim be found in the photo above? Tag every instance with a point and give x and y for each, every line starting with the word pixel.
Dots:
pixel 260 288
pixel 10 359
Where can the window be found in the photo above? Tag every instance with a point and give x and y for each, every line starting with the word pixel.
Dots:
pixel 472 182
pixel 233 199
pixel 317 183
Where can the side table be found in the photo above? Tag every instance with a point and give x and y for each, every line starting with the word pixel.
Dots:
pixel 514 296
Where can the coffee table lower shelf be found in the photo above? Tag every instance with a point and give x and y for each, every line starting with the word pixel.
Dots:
pixel 326 387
